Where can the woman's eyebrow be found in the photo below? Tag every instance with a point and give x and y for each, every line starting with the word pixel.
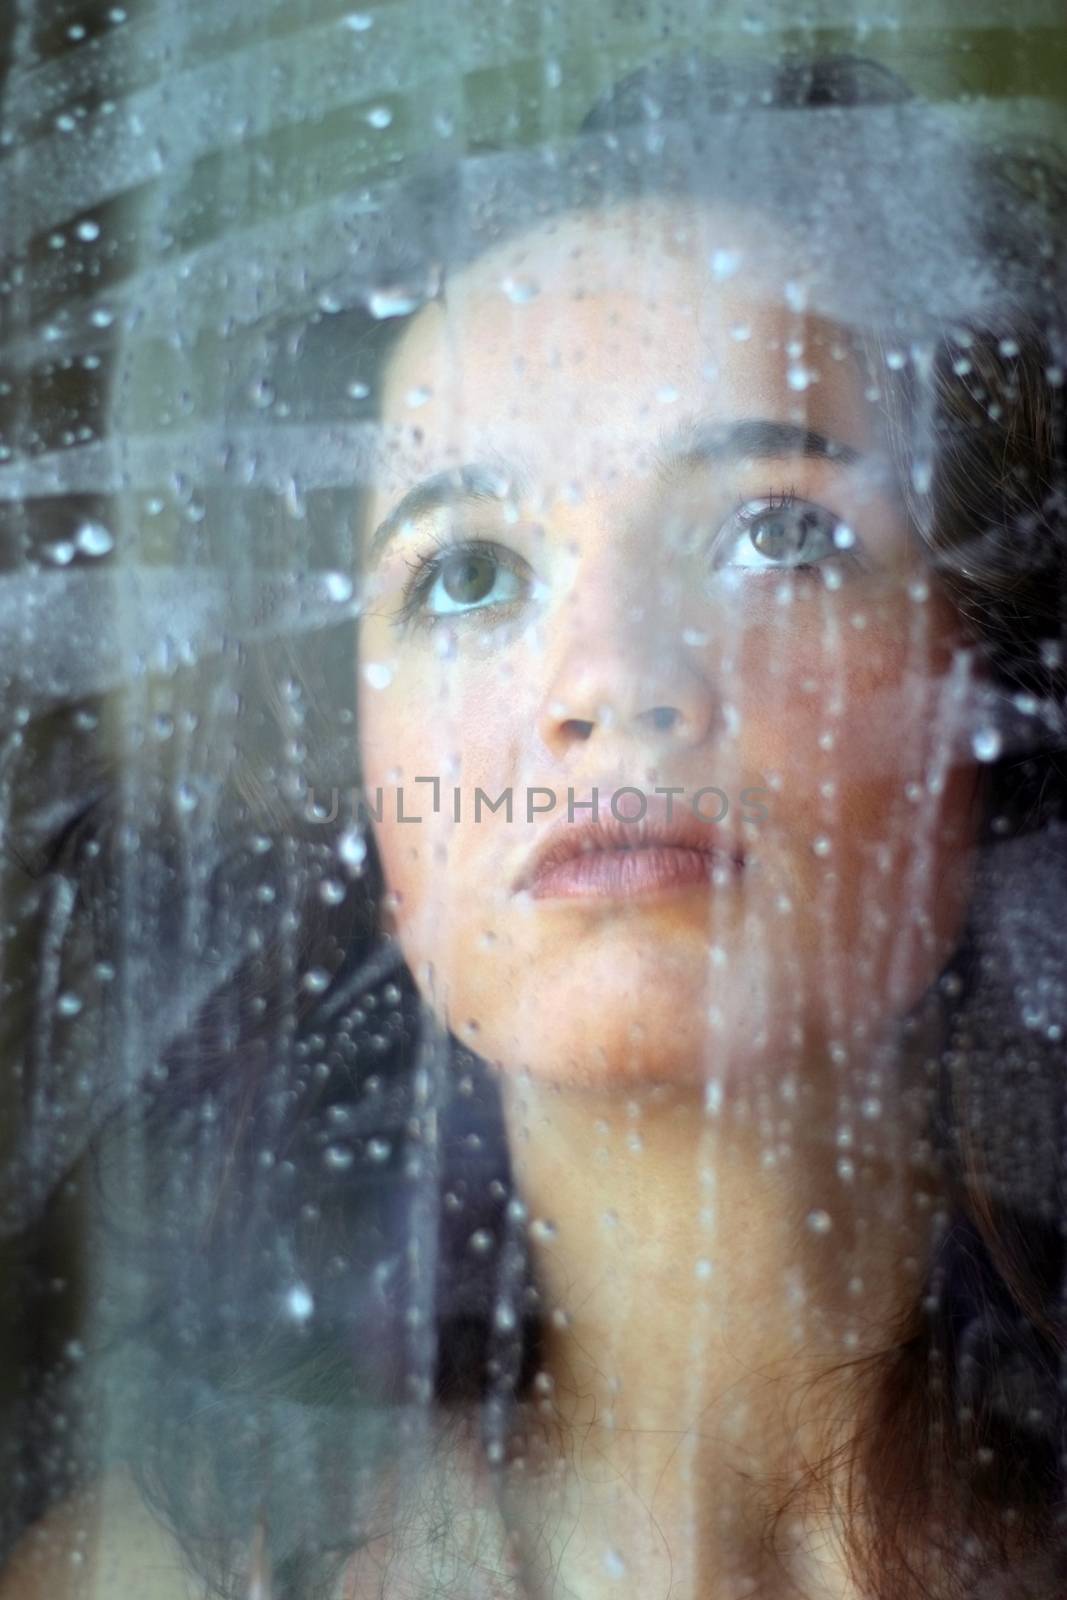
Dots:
pixel 693 444
pixel 477 481
pixel 698 441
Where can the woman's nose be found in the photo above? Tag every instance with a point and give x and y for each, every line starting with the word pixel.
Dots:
pixel 626 689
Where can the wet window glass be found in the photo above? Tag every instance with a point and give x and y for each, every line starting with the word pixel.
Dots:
pixel 533 801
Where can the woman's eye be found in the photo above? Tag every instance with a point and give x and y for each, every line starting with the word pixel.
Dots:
pixel 790 535
pixel 469 577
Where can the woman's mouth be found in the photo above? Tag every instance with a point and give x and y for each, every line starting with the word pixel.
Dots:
pixel 621 873
pixel 613 858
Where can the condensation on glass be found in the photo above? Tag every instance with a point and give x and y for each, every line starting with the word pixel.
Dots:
pixel 532 784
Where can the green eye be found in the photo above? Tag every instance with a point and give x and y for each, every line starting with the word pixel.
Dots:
pixel 466 579
pixel 784 535
pixel 469 576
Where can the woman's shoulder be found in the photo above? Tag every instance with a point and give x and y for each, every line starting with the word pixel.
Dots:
pixel 102 1542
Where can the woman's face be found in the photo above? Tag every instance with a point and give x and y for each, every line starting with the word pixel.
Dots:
pixel 595 586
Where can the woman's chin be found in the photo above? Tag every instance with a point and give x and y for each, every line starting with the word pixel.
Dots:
pixel 661 1015
pixel 664 999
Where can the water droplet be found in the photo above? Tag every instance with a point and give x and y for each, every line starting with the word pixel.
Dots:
pixel 88 230
pixel 614 1565
pixel 520 291
pixel 724 263
pixel 820 1221
pixel 62 552
pixel 316 979
pixel 396 302
pixel 357 390
pixel 377 674
pixel 821 846
pixel 417 397
pixel 352 850
pixel 337 1158
pixel 703 1269
pixel 331 891
pixel 922 476
pixel 338 586
pixel 741 331
pixel 261 394
pixel 299 1303
pixel 801 377
pixel 666 394
pixel 541 1228
pixel 379 116
pixel 480 1242
pixel 844 538
pixel 796 295
pixel 987 744
pixel 378 1150
pixel 102 317
pixel 94 539
pixel 358 22
pixel 68 1005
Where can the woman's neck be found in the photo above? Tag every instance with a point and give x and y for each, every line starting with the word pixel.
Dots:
pixel 698 1271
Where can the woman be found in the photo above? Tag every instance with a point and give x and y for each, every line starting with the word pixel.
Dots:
pixel 687 598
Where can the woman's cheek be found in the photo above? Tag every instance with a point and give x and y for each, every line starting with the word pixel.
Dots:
pixel 437 730
pixel 831 663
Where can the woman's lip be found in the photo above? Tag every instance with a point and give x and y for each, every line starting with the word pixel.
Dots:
pixel 685 847
pixel 620 874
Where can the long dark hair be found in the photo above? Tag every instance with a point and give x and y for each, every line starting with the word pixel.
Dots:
pixel 309 1224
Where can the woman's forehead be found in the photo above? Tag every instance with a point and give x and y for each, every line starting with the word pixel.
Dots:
pixel 663 254
pixel 595 331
